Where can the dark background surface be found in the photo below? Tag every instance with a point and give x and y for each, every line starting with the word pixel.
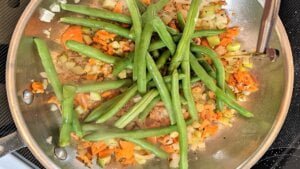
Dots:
pixel 284 152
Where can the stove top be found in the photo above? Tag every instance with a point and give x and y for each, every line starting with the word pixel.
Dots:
pixel 284 152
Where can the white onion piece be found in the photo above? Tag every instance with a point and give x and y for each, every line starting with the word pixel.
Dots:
pixel 46 15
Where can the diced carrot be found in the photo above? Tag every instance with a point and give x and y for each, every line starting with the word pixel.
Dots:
pixel 84 145
pixel 125 154
pixel 72 33
pixel 92 61
pixel 119 7
pixel 126 145
pixel 146 2
pixel 172 24
pixel 37 87
pixel 168 148
pixel 105 153
pixel 209 131
pixel 225 41
pixel 243 80
pixel 204 42
pixel 82 100
pixel 91 77
pixel 104 36
pixel 98 147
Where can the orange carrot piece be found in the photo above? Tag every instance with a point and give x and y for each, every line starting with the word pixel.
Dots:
pixel 105 153
pixel 119 7
pixel 146 2
pixel 72 33
pixel 98 147
pixel 37 87
pixel 205 43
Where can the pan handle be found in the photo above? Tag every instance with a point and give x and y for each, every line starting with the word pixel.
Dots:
pixel 10 143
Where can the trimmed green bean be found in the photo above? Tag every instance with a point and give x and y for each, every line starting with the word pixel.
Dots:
pixel 67 115
pixel 121 65
pixel 173 31
pixel 209 83
pixel 49 67
pixel 105 132
pixel 201 33
pixel 102 86
pixel 161 86
pixel 148 146
pixel 220 76
pixel 118 105
pixel 208 68
pixel 164 35
pixel 162 60
pixel 186 85
pixel 181 21
pixel 156 45
pixel 141 53
pixel 91 23
pixel 149 107
pixel 181 125
pixel 97 112
pixel 153 9
pixel 136 109
pixel 142 7
pixel 76 125
pixel 97 12
pixel 206 33
pixel 155 53
pixel 137 28
pixel 90 52
pixel 187 34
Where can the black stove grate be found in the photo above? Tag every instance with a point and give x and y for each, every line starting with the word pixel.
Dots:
pixel 284 152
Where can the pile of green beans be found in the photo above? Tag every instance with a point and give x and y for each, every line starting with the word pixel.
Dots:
pixel 165 76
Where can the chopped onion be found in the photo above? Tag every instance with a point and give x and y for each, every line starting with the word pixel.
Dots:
pixel 62 1
pixel 54 7
pixel 46 15
pixel 94 96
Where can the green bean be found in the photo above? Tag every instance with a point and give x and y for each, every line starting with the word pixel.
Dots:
pixel 141 62
pixel 201 33
pixel 181 125
pixel 97 112
pixel 186 85
pixel 220 76
pixel 209 83
pixel 164 35
pixel 181 21
pixel 90 52
pixel 153 9
pixel 137 28
pixel 162 60
pixel 167 79
pixel 91 23
pixel 136 109
pixel 208 68
pixel 76 125
pixel 102 86
pixel 121 65
pixel 148 146
pixel 155 53
pixel 206 33
pixel 118 105
pixel 183 101
pixel 106 132
pixel 173 31
pixel 149 107
pixel 161 86
pixel 142 7
pixel 67 115
pixel 97 12
pixel 187 34
pixel 156 45
pixel 49 67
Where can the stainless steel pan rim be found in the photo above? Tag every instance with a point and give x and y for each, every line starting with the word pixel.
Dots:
pixel 48 163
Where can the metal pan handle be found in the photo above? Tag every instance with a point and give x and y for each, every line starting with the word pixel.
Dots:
pixel 10 143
